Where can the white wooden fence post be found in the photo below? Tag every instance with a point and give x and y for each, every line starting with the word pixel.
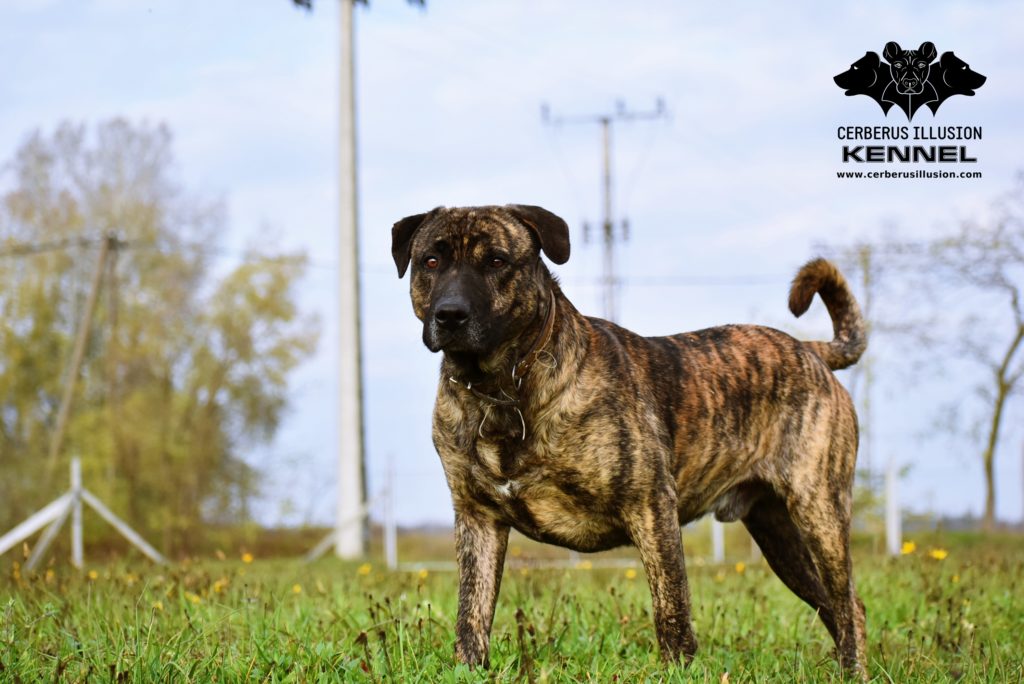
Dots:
pixel 47 537
pixel 717 541
pixel 893 531
pixel 390 525
pixel 77 554
pixel 35 522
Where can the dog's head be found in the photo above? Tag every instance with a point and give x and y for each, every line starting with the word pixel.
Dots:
pixel 958 76
pixel 863 75
pixel 910 68
pixel 477 277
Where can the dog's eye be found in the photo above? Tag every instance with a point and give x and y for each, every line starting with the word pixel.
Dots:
pixel 431 262
pixel 497 262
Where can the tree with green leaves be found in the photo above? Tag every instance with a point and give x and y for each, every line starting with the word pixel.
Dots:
pixel 183 371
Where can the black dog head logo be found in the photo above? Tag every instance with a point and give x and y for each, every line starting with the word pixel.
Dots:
pixel 868 77
pixel 910 68
pixel 954 77
pixel 909 79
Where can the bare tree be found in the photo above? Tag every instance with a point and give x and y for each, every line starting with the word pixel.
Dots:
pixel 988 256
pixel 957 300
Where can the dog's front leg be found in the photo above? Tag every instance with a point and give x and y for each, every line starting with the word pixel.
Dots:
pixel 480 543
pixel 654 529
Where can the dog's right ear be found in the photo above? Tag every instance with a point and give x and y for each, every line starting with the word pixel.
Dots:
pixel 892 50
pixel 401 239
pixel 873 58
pixel 927 51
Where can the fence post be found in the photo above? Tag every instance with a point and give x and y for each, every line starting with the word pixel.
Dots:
pixel 77 554
pixel 893 531
pixel 717 541
pixel 390 526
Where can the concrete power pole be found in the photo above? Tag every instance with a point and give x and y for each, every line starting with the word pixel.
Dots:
pixel 609 279
pixel 350 540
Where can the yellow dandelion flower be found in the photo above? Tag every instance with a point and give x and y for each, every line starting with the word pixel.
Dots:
pixel 516 551
pixel 584 565
pixel 247 557
pixel 158 606
pixel 630 573
pixel 296 588
pixel 524 571
pixel 194 598
pixel 93 575
pixel 908 548
pixel 220 585
pixel 364 569
pixel 719 576
pixel 955 579
pixel 423 573
pixel 50 575
pixel 938 554
pixel 741 567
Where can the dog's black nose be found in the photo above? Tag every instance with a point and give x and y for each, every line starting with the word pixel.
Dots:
pixel 451 312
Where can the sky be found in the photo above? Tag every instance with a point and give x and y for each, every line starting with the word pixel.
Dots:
pixel 725 197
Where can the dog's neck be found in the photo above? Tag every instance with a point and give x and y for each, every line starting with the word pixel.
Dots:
pixel 511 361
pixel 501 376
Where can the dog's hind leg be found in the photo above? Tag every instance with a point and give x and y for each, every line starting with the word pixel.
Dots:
pixel 770 525
pixel 822 516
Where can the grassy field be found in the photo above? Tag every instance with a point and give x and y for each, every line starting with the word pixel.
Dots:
pixel 951 610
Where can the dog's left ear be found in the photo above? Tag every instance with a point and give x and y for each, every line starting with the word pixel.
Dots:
pixel 551 230
pixel 401 240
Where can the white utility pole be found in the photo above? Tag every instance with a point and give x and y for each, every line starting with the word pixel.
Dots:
pixel 350 541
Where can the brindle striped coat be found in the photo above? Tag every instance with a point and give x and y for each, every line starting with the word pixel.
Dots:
pixel 580 433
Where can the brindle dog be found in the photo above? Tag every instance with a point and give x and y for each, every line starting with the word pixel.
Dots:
pixel 580 433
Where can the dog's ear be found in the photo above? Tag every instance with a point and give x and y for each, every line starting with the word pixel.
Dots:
pixel 401 239
pixel 892 50
pixel 927 51
pixel 551 230
pixel 872 58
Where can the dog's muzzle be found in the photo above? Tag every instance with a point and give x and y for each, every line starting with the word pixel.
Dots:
pixel 451 326
pixel 911 86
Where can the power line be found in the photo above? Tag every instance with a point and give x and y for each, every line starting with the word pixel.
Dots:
pixel 605 121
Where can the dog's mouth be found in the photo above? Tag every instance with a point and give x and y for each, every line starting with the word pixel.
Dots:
pixel 468 339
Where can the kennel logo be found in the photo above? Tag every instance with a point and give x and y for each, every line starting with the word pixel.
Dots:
pixel 909 79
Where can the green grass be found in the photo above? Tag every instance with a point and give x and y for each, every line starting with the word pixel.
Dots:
pixel 960 618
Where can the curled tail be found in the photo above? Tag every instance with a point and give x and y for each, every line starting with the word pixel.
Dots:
pixel 850 341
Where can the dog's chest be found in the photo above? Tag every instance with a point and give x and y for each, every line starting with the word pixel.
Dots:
pixel 545 500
